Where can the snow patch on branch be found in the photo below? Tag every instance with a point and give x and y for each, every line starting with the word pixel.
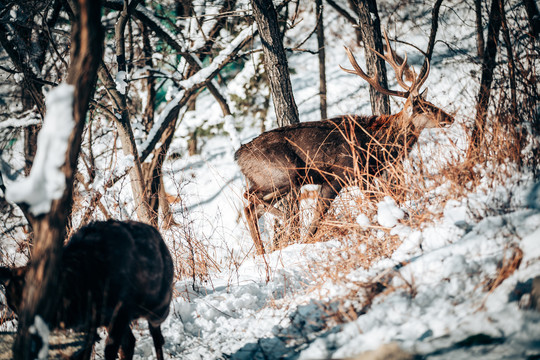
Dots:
pixel 27 121
pixel 46 181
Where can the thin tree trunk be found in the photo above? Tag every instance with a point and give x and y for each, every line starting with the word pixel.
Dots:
pixel 125 131
pixel 148 115
pixel 432 35
pixel 357 29
pixel 511 62
pixel 128 146
pixel 370 25
pixel 275 62
pixel 342 12
pixel 321 52
pixel 479 28
pixel 488 67
pixel 40 295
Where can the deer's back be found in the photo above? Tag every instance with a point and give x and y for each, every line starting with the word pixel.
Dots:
pixel 111 263
pixel 312 151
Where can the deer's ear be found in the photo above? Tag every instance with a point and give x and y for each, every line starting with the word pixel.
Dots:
pixel 423 95
pixel 6 275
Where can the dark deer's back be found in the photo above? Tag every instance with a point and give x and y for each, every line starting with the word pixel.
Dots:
pixel 106 263
pixel 112 272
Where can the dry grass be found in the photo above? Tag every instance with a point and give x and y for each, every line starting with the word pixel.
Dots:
pixel 506 267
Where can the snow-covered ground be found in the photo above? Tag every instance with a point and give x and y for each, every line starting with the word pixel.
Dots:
pixel 457 287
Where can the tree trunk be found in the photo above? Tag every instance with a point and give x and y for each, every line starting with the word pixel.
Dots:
pixel 357 29
pixel 371 35
pixel 488 67
pixel 128 146
pixel 479 28
pixel 432 36
pixel 40 295
pixel 322 65
pixel 511 62
pixel 275 62
pixel 148 115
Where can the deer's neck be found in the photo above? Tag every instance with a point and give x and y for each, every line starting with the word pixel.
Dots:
pixel 394 131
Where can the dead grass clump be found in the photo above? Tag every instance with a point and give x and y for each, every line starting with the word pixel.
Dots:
pixel 507 266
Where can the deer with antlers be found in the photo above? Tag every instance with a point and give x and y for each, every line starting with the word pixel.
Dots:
pixel 327 152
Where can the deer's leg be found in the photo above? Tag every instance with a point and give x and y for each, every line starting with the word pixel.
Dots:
pixel 253 212
pixel 327 194
pixel 128 345
pixel 159 341
pixel 252 218
pixel 118 327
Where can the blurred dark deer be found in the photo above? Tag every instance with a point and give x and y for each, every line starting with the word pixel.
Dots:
pixel 328 152
pixel 111 273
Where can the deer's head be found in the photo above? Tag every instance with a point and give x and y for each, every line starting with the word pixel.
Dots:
pixel 417 111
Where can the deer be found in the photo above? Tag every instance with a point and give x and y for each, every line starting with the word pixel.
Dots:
pixel 326 152
pixel 112 272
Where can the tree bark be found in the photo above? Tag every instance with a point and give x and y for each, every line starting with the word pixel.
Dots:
pixel 321 52
pixel 488 67
pixel 511 62
pixel 40 295
pixel 357 29
pixel 128 146
pixel 370 25
pixel 275 62
pixel 342 12
pixel 432 36
pixel 479 28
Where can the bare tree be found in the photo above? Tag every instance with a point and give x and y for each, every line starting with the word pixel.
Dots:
pixel 432 35
pixel 511 62
pixel 479 28
pixel 321 52
pixel 40 296
pixel 370 25
pixel 488 67
pixel 275 61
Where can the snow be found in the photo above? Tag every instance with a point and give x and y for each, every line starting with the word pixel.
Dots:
pixel 46 181
pixel 42 330
pixel 121 83
pixel 20 123
pixel 388 213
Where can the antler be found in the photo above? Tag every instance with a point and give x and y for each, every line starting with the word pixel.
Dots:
pixel 390 58
pixel 371 80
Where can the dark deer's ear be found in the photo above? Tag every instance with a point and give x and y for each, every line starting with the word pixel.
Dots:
pixel 423 94
pixel 6 275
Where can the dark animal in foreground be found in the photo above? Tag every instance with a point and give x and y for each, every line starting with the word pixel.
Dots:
pixel 331 152
pixel 112 272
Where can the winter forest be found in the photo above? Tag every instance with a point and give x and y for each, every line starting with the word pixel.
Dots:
pixel 258 179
